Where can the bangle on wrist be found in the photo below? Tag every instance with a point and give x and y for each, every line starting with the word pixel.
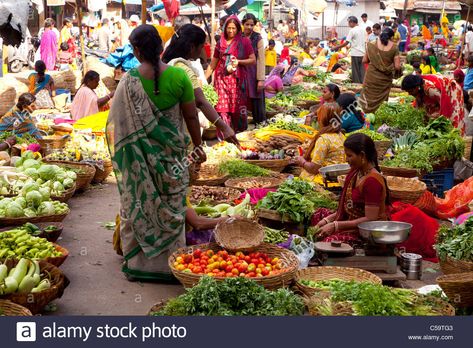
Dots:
pixel 216 121
pixel 8 144
pixel 336 226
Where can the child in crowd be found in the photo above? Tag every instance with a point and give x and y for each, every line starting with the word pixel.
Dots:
pixel 64 57
pixel 426 67
pixel 271 56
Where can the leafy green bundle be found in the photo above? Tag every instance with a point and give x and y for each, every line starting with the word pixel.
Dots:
pixel 375 136
pixel 210 94
pixel 297 200
pixel 233 296
pixel 456 242
pixel 237 168
pixel 402 116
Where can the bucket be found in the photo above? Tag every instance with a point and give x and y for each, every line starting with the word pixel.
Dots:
pixel 411 266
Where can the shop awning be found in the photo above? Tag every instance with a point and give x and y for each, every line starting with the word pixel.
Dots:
pixel 314 6
pixel 426 6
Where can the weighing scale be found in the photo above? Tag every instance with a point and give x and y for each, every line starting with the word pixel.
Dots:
pixel 376 254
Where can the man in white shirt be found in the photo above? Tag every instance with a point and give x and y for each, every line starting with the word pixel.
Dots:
pixel 356 38
pixel 365 22
pixel 469 41
pixel 105 37
pixel 415 30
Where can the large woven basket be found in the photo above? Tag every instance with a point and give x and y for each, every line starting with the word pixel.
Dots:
pixel 83 179
pixel 382 147
pixel 66 196
pixel 49 145
pixel 208 175
pixel 283 279
pixel 244 184
pixel 239 234
pixel 275 165
pixel 452 266
pixel 58 261
pixel 332 273
pixel 458 288
pixel 468 145
pixel 35 302
pixel 23 220
pixel 102 174
pixel 232 194
pixel 407 190
pixel 401 172
pixel 11 309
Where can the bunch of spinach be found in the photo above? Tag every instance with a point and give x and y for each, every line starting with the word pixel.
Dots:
pixel 402 116
pixel 456 242
pixel 233 296
pixel 237 168
pixel 296 200
pixel 418 157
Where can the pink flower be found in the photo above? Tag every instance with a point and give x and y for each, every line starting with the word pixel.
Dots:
pixel 34 147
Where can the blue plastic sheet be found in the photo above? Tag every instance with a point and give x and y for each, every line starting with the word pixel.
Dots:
pixel 123 57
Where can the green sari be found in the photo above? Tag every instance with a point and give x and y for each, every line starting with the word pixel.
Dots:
pixel 147 146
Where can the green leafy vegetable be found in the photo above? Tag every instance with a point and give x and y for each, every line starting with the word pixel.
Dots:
pixel 402 116
pixel 210 94
pixel 372 134
pixel 456 242
pixel 237 168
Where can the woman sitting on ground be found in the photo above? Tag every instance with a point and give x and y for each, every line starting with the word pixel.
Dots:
pixel 39 80
pixel 352 117
pixel 274 84
pixel 364 197
pixel 86 102
pixel 18 120
pixel 327 146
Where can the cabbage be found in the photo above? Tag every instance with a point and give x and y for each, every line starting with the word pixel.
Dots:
pixel 58 187
pixel 47 172
pixel 45 193
pixel 31 163
pixel 32 173
pixel 14 210
pixel 40 181
pixel 4 202
pixel 4 191
pixel 68 183
pixel 34 198
pixel 30 187
pixel 19 163
pixel 72 175
pixel 46 208
pixel 27 155
pixel 30 212
pixel 2 213
pixel 21 201
pixel 61 176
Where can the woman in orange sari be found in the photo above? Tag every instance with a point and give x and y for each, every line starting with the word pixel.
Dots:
pixel 364 197
pixel 426 34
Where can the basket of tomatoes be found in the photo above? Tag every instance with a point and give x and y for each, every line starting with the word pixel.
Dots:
pixel 270 266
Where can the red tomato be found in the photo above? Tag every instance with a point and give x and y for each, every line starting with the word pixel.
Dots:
pixel 239 253
pixel 242 268
pixel 228 269
pixel 251 267
pixel 248 259
pixel 259 271
pixel 255 261
pixel 229 275
pixel 209 253
pixel 265 272
pixel 197 270
pixel 197 253
pixel 235 271
pixel 252 274
pixel 188 258
pixel 223 264
pixel 261 265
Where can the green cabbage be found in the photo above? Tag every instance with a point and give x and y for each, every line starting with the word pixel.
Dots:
pixel 2 213
pixel 5 202
pixel 32 173
pixel 58 187
pixel 14 210
pixel 68 183
pixel 72 175
pixel 29 212
pixel 34 198
pixel 46 208
pixel 21 201
pixel 47 172
pixel 31 163
pixel 45 193
pixel 33 186
pixel 27 155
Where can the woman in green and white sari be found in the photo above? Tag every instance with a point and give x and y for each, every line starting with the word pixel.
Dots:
pixel 146 133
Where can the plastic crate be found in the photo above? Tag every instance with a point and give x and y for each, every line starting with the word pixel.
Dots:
pixel 439 181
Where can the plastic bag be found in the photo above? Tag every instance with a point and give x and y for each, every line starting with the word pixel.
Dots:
pixel 303 249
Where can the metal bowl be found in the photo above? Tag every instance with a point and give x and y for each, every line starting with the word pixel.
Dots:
pixel 334 171
pixel 385 232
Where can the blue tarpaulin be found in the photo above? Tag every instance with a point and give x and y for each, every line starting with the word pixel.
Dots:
pixel 123 57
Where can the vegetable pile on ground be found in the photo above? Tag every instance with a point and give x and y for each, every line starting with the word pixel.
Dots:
pixel 224 209
pixel 456 242
pixel 213 194
pixel 418 157
pixel 284 123
pixel 210 94
pixel 366 299
pixel 372 134
pixel 237 168
pixel 296 200
pixel 19 243
pixel 83 148
pixel 25 138
pixel 220 152
pixel 25 278
pixel 233 296
pixel 402 116
pixel 225 264
pixel 275 236
pixel 32 202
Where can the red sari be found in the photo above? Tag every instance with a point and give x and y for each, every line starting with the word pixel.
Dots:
pixel 370 190
pixel 232 87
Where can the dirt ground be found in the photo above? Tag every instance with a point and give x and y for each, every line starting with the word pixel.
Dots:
pixel 97 285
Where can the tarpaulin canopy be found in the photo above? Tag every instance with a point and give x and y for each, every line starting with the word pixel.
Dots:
pixel 314 6
pixel 427 6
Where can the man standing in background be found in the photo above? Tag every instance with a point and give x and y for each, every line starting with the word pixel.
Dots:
pixel 105 37
pixel 366 22
pixel 402 29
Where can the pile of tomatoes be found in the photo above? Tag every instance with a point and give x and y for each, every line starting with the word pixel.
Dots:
pixel 224 264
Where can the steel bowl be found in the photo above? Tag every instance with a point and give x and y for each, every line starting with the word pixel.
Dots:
pixel 334 171
pixel 385 232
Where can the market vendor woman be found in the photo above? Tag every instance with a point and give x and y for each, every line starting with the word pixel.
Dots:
pixel 364 197
pixel 439 95
pixel 18 120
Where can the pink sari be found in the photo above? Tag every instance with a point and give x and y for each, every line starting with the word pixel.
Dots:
pixel 48 49
pixel 84 104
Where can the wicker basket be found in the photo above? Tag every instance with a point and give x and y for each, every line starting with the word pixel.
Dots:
pixel 274 165
pixel 239 234
pixel 272 215
pixel 35 302
pixel 331 273
pixel 23 220
pixel 102 174
pixel 51 236
pixel 10 309
pixel 62 129
pixel 283 279
pixel 271 114
pixel 83 179
pixel 232 194
pixel 407 190
pixel 307 104
pixel 382 147
pixel 244 184
pixel 58 261
pixel 208 175
pixel 452 266
pixel 66 196
pixel 468 144
pixel 458 288
pixel 401 172
pixel 49 145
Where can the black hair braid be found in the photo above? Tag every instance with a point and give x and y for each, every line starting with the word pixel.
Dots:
pixel 156 70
